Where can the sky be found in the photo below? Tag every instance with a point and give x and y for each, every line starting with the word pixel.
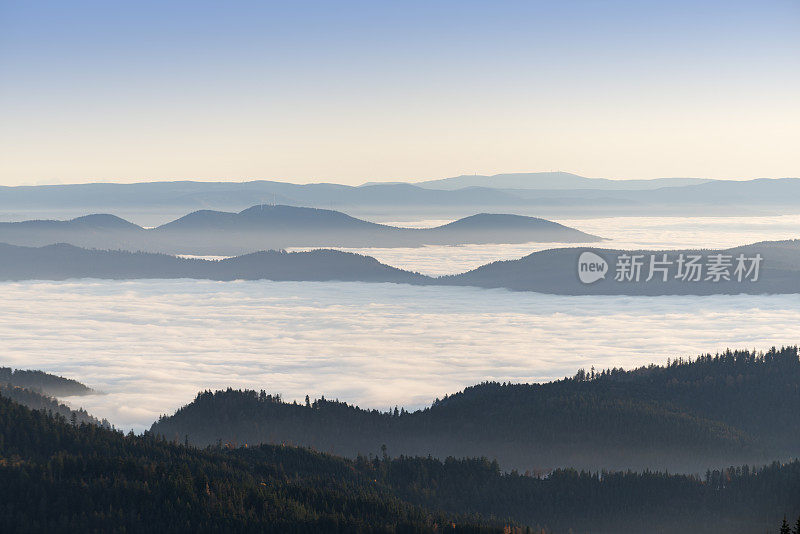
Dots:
pixel 348 92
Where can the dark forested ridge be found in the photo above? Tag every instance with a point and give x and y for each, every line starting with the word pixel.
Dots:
pixel 56 386
pixel 262 227
pixel 735 407
pixel 62 477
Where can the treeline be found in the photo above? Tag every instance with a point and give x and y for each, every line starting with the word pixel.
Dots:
pixel 786 529
pixel 732 408
pixel 59 477
pixel 733 500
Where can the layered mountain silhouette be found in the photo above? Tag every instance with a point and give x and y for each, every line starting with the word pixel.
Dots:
pixel 261 227
pixel 543 194
pixel 551 271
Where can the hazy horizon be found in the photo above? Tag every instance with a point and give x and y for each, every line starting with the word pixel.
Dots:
pixel 354 92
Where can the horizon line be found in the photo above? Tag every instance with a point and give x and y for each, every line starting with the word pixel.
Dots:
pixel 387 182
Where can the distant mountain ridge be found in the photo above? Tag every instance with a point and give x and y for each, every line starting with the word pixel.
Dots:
pixel 554 181
pixel 209 232
pixel 543 194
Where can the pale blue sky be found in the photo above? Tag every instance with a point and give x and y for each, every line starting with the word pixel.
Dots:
pixel 384 90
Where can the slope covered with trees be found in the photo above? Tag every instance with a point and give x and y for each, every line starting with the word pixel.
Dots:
pixel 61 477
pixel 37 390
pixel 735 407
pixel 38 401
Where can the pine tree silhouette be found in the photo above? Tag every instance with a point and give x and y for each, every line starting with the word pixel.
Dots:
pixel 785 527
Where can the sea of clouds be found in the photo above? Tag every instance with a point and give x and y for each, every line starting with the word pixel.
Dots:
pixel 151 345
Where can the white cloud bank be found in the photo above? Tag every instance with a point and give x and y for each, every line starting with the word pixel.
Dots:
pixel 151 345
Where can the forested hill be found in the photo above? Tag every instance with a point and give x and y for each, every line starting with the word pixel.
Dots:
pixel 734 407
pixel 59 477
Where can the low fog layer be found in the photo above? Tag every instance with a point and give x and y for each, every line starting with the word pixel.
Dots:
pixel 150 346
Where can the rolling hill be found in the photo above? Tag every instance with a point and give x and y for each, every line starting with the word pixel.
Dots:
pixel 208 232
